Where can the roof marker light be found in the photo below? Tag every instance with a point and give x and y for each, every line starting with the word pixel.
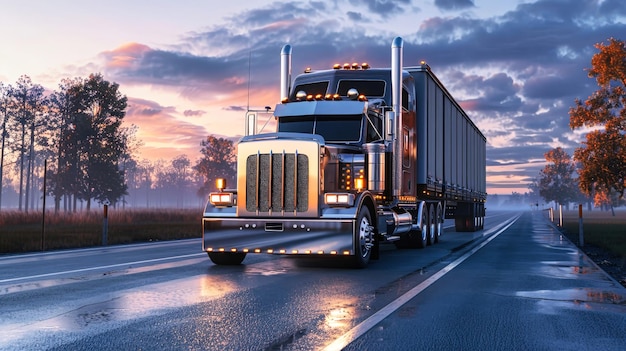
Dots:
pixel 353 94
pixel 301 95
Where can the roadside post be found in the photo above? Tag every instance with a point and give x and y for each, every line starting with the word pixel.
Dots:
pixel 581 237
pixel 105 223
pixel 551 210
pixel 561 216
pixel 43 212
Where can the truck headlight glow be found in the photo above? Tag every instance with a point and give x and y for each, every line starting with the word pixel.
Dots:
pixel 221 199
pixel 339 199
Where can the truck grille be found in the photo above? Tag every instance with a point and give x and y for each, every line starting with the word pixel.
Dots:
pixel 277 182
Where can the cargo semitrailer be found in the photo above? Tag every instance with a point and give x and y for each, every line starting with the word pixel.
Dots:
pixel 359 156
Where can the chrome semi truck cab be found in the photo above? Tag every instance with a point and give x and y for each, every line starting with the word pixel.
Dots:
pixel 337 176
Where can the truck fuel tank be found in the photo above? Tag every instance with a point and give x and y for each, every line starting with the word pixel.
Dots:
pixel 375 166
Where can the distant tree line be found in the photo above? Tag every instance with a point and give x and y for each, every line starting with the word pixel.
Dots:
pixel 78 126
pixel 76 132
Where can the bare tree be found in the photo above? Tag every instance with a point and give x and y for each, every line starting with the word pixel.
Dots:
pixel 5 99
pixel 28 101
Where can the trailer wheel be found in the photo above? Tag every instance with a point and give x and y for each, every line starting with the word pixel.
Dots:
pixel 416 239
pixel 438 221
pixel 363 238
pixel 431 224
pixel 227 258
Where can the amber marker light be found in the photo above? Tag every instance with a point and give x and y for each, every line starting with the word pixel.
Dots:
pixel 220 184
pixel 359 183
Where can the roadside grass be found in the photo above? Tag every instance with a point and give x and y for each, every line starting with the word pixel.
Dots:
pixel 600 228
pixel 22 232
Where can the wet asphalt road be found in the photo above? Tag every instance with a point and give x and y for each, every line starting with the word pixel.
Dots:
pixel 517 285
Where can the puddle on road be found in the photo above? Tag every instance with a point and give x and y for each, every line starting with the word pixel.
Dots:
pixel 551 301
pixel 576 295
pixel 569 270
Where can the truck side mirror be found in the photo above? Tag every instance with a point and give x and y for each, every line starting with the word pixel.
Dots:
pixel 251 120
pixel 390 116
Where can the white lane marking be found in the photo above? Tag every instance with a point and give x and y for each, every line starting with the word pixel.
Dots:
pixel 99 267
pixel 384 312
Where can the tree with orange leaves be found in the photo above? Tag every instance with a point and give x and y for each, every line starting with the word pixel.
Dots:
pixel 556 182
pixel 602 157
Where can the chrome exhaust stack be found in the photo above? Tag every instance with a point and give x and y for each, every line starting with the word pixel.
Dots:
pixel 396 100
pixel 285 71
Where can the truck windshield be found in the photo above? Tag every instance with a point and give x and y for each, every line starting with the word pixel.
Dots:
pixel 342 128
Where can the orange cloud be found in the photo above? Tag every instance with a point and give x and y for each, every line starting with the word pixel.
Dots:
pixel 126 55
pixel 162 134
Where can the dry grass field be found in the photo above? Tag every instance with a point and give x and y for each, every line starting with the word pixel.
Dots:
pixel 600 228
pixel 22 232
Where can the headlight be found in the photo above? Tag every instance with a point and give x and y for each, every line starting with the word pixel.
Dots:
pixel 339 199
pixel 221 199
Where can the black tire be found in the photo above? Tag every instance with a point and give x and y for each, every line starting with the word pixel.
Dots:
pixel 363 238
pixel 438 221
pixel 227 258
pixel 431 224
pixel 415 239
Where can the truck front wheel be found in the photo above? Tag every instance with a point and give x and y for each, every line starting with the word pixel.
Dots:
pixel 363 238
pixel 227 258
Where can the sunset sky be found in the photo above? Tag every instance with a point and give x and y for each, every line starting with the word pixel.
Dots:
pixel 515 66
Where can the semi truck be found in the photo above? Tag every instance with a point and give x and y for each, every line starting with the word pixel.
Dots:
pixel 357 156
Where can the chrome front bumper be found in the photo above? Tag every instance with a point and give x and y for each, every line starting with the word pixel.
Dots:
pixel 279 236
